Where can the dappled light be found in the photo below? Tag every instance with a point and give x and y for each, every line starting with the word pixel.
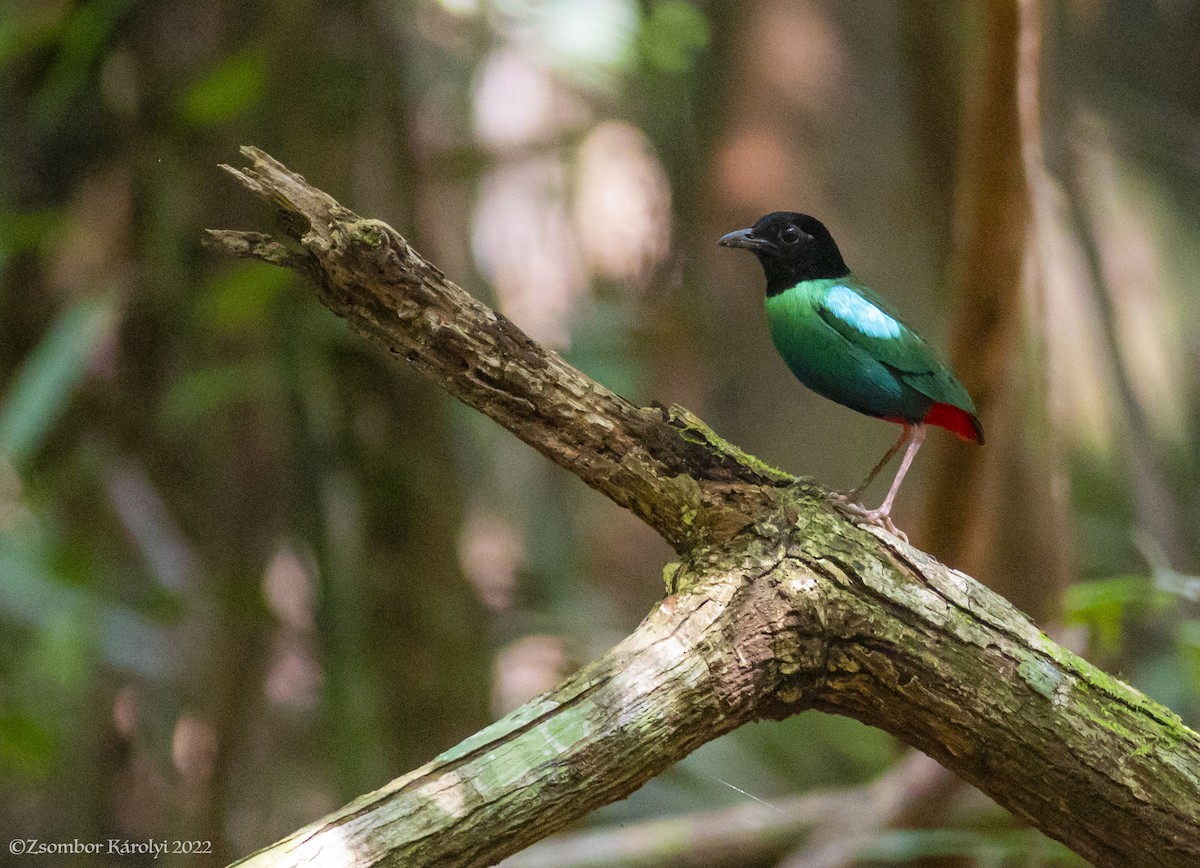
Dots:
pixel 622 205
pixel 492 554
pixel 525 669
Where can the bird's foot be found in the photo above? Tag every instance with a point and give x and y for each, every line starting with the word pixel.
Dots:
pixel 852 506
pixel 852 499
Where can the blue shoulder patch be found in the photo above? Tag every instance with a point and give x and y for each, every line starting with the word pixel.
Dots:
pixel 850 307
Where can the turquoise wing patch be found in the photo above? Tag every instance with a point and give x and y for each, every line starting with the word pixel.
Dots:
pixel 850 307
pixel 871 328
pixel 868 324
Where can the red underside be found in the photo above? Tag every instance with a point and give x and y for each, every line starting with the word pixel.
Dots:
pixel 952 419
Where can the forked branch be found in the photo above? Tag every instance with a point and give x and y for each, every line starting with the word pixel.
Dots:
pixel 779 605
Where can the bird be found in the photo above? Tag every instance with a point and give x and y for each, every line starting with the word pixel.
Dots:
pixel 847 343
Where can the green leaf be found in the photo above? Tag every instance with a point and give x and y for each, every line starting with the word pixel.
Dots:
pixel 242 296
pixel 26 746
pixel 26 27
pixel 64 615
pixel 82 40
pixel 674 35
pixel 45 380
pixel 21 232
pixel 1102 605
pixel 203 392
pixel 1187 643
pixel 234 86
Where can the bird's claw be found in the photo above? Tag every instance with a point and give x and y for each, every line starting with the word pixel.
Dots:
pixel 851 506
pixel 893 530
pixel 849 502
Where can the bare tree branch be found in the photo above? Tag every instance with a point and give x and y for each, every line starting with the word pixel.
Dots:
pixel 837 842
pixel 780 605
pixel 665 466
pixel 837 823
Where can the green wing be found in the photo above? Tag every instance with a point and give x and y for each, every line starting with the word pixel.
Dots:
pixel 868 322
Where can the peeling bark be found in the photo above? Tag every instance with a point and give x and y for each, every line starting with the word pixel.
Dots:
pixel 778 604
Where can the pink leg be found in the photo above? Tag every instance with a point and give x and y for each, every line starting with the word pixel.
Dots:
pixel 915 435
pixel 855 496
pixel 914 444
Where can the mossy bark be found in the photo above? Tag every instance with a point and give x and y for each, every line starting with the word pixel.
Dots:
pixel 777 604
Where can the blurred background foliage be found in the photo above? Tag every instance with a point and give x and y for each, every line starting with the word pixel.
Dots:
pixel 250 568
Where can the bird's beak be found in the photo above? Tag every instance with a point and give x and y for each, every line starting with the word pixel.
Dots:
pixel 746 239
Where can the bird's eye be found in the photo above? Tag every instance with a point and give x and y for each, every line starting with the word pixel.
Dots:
pixel 789 235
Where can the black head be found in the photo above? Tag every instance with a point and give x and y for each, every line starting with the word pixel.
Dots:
pixel 791 247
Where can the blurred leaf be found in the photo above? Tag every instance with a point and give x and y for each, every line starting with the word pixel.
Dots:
pixel 1187 638
pixel 201 393
pixel 1101 605
pixel 1177 584
pixel 1166 578
pixel 25 27
pixel 242 296
pixel 83 39
pixel 26 746
pixel 1164 677
pixel 63 650
pixel 233 86
pixel 674 35
pixel 32 593
pixel 21 232
pixel 45 380
pixel 838 750
pixel 1189 634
